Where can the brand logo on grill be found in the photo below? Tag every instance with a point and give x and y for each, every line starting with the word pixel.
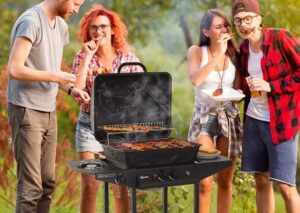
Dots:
pixel 144 177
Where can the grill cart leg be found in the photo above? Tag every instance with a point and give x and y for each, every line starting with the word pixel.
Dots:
pixel 165 199
pixel 196 197
pixel 133 200
pixel 106 200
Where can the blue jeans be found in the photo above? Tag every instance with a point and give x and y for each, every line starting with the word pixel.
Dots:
pixel 211 128
pixel 85 139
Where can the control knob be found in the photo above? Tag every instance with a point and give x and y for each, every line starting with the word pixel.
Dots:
pixel 119 179
pixel 162 176
pixel 172 175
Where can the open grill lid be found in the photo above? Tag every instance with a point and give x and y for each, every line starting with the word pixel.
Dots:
pixel 128 99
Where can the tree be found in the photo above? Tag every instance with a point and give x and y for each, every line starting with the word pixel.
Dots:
pixel 141 17
pixel 282 14
pixel 7 17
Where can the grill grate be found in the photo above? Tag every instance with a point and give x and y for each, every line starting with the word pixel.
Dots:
pixel 134 127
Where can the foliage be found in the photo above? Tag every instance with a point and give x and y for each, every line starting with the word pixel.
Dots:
pixel 145 201
pixel 9 11
pixel 282 14
pixel 244 189
pixel 7 166
pixel 145 19
pixel 179 197
pixel 142 17
pixel 7 18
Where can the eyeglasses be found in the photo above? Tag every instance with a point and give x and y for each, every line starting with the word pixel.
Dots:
pixel 246 20
pixel 102 27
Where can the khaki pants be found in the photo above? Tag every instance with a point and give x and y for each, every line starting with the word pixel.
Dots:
pixel 34 136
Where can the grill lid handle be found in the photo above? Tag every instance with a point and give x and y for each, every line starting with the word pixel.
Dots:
pixel 132 64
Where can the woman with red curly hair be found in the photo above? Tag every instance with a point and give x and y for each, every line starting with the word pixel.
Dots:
pixel 104 47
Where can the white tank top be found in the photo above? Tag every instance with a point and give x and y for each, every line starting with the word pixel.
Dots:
pixel 258 107
pixel 212 81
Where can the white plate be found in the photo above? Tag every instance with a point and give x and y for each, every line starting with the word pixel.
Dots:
pixel 228 94
pixel 208 156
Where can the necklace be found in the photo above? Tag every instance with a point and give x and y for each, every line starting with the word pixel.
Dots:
pixel 220 86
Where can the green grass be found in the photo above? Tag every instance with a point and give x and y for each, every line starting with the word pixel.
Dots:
pixel 180 205
pixel 280 207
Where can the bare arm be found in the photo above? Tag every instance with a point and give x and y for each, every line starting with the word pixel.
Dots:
pixel 82 72
pixel 89 49
pixel 196 73
pixel 17 69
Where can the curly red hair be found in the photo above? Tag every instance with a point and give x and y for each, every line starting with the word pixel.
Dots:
pixel 119 38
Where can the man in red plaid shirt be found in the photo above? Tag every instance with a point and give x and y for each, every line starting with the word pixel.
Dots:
pixel 270 66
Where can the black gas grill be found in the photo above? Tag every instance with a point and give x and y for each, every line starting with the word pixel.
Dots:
pixel 131 117
pixel 134 111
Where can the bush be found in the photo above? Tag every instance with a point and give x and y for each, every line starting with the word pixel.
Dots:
pixel 243 190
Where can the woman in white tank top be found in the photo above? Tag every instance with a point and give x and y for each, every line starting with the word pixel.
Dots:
pixel 212 65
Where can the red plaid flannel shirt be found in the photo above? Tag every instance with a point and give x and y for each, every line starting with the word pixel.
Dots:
pixel 281 68
pixel 96 63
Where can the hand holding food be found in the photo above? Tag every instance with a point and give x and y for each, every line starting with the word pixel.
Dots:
pixel 223 41
pixel 91 47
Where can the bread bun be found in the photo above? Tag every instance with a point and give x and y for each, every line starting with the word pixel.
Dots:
pixel 207 150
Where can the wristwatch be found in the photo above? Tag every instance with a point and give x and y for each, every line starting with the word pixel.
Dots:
pixel 70 90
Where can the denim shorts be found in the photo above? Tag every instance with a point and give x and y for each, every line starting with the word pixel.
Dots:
pixel 261 155
pixel 212 127
pixel 85 139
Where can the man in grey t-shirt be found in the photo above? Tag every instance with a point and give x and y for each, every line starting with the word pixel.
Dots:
pixel 37 42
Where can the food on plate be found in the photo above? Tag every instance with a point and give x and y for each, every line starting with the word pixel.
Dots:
pixel 218 92
pixel 207 150
pixel 225 94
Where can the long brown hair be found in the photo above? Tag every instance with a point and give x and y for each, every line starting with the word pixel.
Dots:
pixel 205 24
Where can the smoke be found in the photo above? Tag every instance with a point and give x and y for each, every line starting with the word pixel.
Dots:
pixel 133 98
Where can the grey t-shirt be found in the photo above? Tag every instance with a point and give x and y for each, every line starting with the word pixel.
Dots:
pixel 45 54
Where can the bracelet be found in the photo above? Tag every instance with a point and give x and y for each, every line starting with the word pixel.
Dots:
pixel 70 90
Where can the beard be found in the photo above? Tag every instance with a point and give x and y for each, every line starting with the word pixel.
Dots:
pixel 63 9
